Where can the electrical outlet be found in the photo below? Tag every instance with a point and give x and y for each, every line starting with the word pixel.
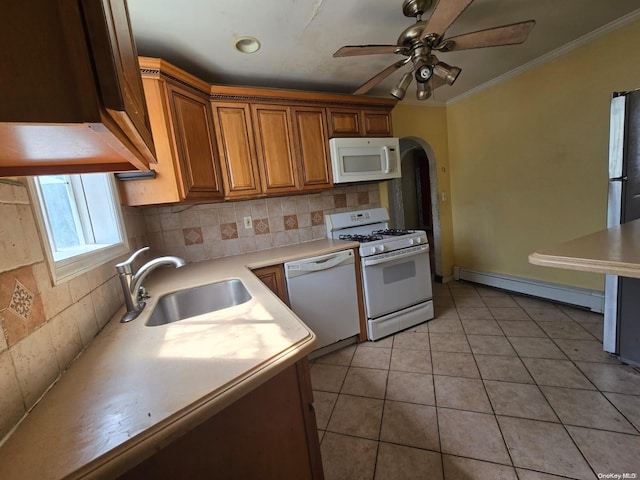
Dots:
pixel 248 223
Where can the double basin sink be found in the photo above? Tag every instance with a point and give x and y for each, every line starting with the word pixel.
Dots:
pixel 191 302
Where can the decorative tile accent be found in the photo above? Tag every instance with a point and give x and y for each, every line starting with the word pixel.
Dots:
pixel 261 226
pixel 290 222
pixel 21 300
pixel 229 231
pixel 340 200
pixel 363 198
pixel 21 307
pixel 192 236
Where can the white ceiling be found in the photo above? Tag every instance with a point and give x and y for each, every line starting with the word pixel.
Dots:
pixel 299 38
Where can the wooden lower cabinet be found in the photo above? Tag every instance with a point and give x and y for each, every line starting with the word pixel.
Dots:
pixel 270 433
pixel 273 277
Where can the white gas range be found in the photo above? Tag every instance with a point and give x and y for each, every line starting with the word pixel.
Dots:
pixel 395 269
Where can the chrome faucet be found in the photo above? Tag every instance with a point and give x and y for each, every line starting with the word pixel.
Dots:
pixel 131 283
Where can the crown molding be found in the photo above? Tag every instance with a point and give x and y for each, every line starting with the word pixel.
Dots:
pixel 558 52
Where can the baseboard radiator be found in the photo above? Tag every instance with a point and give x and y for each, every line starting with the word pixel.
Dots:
pixel 581 297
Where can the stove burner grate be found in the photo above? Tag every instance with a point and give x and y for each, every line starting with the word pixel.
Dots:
pixel 392 232
pixel 361 238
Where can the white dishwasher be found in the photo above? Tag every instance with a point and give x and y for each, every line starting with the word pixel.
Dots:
pixel 323 293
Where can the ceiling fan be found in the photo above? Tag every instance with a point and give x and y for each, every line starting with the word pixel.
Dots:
pixel 419 41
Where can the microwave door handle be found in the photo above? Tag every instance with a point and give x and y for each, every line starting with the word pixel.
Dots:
pixel 385 149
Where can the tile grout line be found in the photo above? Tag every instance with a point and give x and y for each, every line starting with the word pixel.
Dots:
pixel 435 400
pixel 549 403
pixel 484 387
pixel 547 336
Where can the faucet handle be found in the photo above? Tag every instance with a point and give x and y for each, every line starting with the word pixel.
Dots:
pixel 125 267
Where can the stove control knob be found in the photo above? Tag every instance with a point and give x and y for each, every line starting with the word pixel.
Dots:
pixel 373 249
pixel 419 240
pixel 412 241
pixel 381 248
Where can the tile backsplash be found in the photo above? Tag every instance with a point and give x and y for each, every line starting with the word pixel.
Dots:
pixel 44 327
pixel 206 231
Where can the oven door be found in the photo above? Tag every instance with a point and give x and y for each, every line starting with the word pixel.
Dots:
pixel 396 280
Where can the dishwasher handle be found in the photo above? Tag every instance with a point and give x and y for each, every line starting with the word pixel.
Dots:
pixel 317 264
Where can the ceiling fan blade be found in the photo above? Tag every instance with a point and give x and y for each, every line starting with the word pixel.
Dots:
pixel 491 37
pixel 373 81
pixel 352 50
pixel 445 13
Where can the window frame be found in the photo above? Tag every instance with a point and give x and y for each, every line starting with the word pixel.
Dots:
pixel 70 267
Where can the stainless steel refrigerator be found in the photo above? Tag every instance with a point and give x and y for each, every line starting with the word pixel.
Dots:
pixel 622 294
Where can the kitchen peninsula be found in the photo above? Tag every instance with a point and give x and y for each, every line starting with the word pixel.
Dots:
pixel 614 251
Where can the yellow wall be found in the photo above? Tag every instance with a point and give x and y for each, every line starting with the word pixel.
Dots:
pixel 430 124
pixel 525 161
pixel 528 158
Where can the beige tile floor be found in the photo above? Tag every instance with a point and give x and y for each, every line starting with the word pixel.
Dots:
pixel 497 386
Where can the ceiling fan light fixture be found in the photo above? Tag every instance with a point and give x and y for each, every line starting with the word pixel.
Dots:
pixel 446 72
pixel 424 72
pixel 400 90
pixel 423 92
pixel 247 45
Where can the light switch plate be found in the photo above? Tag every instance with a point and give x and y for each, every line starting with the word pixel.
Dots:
pixel 248 223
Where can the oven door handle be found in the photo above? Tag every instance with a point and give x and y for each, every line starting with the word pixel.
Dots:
pixel 375 260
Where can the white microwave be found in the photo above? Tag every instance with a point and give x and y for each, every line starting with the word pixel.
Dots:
pixel 364 159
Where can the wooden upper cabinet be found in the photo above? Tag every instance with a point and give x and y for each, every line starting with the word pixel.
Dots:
pixel 195 142
pixel 116 61
pixel 312 147
pixel 376 123
pixel 73 100
pixel 345 122
pixel 188 168
pixel 234 131
pixel 274 142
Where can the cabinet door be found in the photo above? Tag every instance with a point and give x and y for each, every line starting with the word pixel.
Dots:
pixel 193 130
pixel 234 132
pixel 312 148
pixel 344 122
pixel 269 434
pixel 57 114
pixel 274 139
pixel 116 61
pixel 273 277
pixel 376 123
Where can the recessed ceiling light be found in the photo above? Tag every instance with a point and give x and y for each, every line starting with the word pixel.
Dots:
pixel 247 44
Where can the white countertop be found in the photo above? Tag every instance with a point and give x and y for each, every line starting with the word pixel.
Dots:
pixel 614 250
pixel 136 388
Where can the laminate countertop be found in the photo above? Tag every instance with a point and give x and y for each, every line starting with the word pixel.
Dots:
pixel 137 388
pixel 614 251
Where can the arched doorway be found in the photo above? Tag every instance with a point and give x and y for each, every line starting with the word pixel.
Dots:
pixel 413 199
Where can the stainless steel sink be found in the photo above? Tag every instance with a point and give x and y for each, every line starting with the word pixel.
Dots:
pixel 198 300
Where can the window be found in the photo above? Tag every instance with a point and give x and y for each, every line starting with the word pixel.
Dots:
pixel 80 216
